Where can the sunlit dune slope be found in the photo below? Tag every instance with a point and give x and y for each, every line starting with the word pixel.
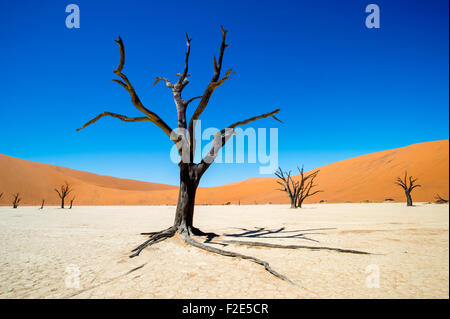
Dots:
pixel 36 181
pixel 370 177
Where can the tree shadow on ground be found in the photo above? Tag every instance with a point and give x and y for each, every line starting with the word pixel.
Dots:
pixel 263 232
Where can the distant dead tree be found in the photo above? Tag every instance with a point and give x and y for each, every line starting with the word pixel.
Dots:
pixel 297 189
pixel 71 202
pixel 184 139
pixel 407 183
pixel 42 205
pixel 16 200
pixel 1 194
pixel 63 191
pixel 306 184
pixel 440 200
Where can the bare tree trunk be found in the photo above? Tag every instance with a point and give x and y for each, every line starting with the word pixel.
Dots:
pixel 42 205
pixel 184 215
pixel 16 200
pixel 293 202
pixel 62 202
pixel 408 199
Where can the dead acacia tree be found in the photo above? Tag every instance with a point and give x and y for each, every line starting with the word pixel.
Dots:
pixel 71 202
pixel 42 204
pixel 63 191
pixel 298 189
pixel 184 140
pixel 16 200
pixel 1 194
pixel 305 185
pixel 408 185
pixel 438 199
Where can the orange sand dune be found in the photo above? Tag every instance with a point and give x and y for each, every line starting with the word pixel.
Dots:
pixel 36 181
pixel 369 177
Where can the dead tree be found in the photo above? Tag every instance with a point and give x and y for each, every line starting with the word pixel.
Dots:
pixel 1 194
pixel 16 200
pixel 288 185
pixel 71 202
pixel 408 185
pixel 42 205
pixel 184 140
pixel 63 191
pixel 297 189
pixel 305 185
pixel 438 199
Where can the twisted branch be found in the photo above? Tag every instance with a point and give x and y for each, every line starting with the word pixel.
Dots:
pixel 119 116
pixel 221 137
pixel 126 84
pixel 404 183
pixel 213 84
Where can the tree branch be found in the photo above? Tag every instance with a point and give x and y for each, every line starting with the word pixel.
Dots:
pixel 213 84
pixel 59 194
pixel 262 116
pixel 119 116
pixel 192 99
pixel 184 76
pixel 152 117
pixel 221 137
pixel 134 97
pixel 168 83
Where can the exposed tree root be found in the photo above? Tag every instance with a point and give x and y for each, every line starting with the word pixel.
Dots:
pixel 227 253
pixel 154 238
pixel 260 244
pixel 192 231
pixel 197 232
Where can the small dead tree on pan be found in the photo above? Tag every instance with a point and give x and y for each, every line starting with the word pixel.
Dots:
pixel 298 189
pixel 71 202
pixel 16 200
pixel 185 142
pixel 63 191
pixel 440 200
pixel 42 204
pixel 408 184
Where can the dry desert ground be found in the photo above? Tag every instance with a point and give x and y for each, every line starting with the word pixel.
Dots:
pixel 44 252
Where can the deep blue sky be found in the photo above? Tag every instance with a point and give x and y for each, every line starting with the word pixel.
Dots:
pixel 344 90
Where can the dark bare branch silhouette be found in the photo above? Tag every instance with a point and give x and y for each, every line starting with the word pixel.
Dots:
pixel 184 139
pixel 298 189
pixel 71 203
pixel 16 200
pixel 408 184
pixel 1 194
pixel 305 185
pixel 440 200
pixel 63 191
pixel 42 205
pixel 288 185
